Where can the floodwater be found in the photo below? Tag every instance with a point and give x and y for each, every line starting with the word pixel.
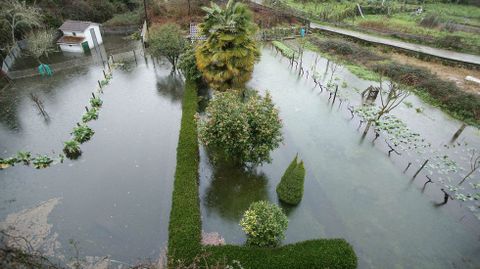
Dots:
pixel 115 199
pixel 112 44
pixel 352 189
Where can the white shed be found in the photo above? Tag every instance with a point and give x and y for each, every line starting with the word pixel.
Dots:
pixel 79 36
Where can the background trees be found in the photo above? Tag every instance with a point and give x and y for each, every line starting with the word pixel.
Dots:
pixel 17 15
pixel 226 59
pixel 167 41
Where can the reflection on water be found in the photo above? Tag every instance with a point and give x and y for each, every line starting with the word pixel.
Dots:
pixel 233 189
pixel 352 190
pixel 115 199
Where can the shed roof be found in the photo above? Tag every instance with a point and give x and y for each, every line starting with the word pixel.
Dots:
pixel 75 26
pixel 70 40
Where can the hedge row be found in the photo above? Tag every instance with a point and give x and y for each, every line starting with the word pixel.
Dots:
pixel 184 243
pixel 185 223
pixel 320 253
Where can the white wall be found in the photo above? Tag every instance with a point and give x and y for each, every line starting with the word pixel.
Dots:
pixel 79 34
pixel 71 48
pixel 89 38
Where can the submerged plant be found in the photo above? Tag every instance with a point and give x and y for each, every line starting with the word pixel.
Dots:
pixel 82 133
pixel 42 161
pixel 24 156
pixel 5 163
pixel 72 149
pixel 96 102
pixel 265 224
pixel 90 115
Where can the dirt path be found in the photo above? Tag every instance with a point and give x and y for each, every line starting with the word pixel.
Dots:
pixel 452 73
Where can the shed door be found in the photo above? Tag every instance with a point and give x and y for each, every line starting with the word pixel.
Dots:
pixel 85 47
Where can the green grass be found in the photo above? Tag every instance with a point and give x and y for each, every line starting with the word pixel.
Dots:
pixel 402 24
pixel 185 219
pixel 464 14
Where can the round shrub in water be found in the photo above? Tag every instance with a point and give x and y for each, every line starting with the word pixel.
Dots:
pixel 243 130
pixel 290 188
pixel 265 224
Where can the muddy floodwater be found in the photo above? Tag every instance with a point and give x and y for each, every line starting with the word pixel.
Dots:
pixel 115 199
pixel 352 189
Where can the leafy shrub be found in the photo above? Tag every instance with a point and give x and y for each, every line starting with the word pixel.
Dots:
pixel 72 149
pixel 244 131
pixel 290 188
pixel 82 133
pixel 265 224
pixel 42 162
pixel 96 102
pixel 5 163
pixel 188 64
pixel 167 41
pixel 90 115
pixel 23 156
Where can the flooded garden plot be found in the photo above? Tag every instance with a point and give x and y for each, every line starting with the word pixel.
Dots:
pixel 114 200
pixel 352 188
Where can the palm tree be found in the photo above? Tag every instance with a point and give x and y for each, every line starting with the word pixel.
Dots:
pixel 227 57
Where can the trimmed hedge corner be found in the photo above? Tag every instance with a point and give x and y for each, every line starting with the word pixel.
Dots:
pixel 290 188
pixel 184 242
pixel 185 224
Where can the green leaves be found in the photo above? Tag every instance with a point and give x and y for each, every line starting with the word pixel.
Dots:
pixel 226 59
pixel 167 41
pixel 290 188
pixel 243 131
pixel 42 161
pixel 90 115
pixel 72 149
pixel 265 224
pixel 82 133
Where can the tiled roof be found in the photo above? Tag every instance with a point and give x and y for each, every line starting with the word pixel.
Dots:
pixel 70 39
pixel 75 26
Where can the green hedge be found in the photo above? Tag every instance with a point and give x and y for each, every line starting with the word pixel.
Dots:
pixel 185 223
pixel 184 243
pixel 290 188
pixel 320 253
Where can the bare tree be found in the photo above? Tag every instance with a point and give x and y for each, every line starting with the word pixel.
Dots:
pixel 16 14
pixel 389 100
pixel 474 165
